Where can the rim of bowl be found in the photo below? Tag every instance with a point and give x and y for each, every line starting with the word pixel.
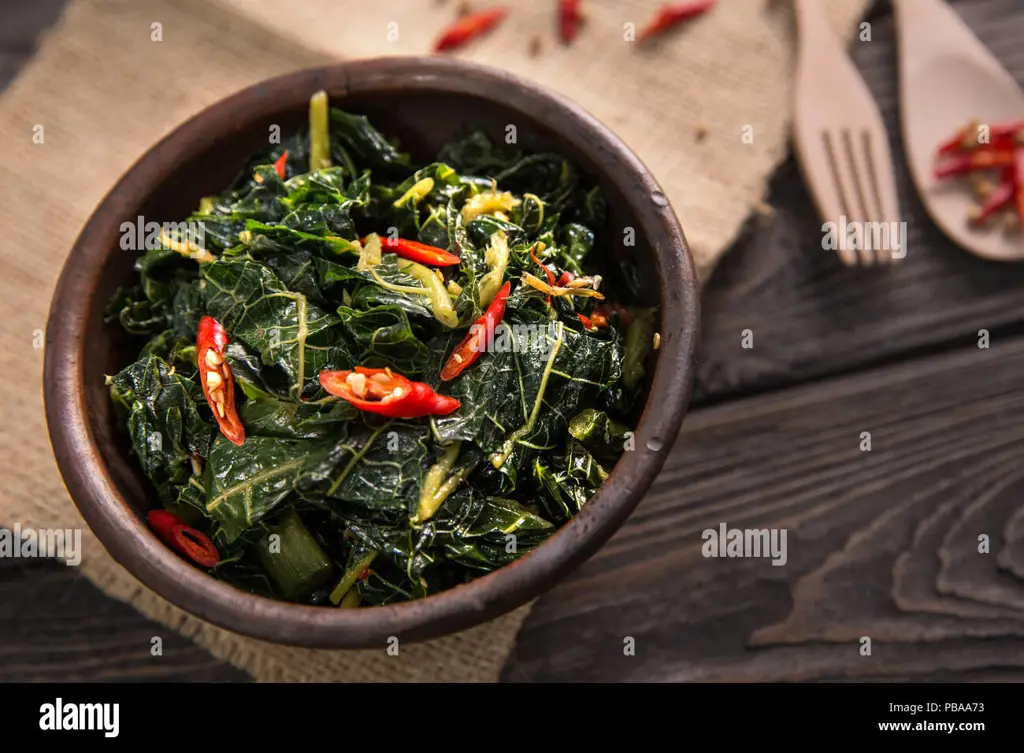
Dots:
pixel 129 540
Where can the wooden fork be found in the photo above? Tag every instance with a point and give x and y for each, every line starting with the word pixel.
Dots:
pixel 843 148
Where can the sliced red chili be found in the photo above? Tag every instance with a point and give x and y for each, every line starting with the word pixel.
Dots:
pixel 386 393
pixel 570 18
pixel 968 163
pixel 184 539
pixel 468 351
pixel 218 382
pixel 670 16
pixel 564 279
pixel 593 322
pixel 1001 135
pixel 1000 198
pixel 470 27
pixel 605 310
pixel 279 165
pixel 419 252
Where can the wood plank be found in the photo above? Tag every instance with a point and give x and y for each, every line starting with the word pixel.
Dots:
pixel 55 626
pixel 881 543
pixel 812 317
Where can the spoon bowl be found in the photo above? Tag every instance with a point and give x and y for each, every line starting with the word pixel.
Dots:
pixel 947 79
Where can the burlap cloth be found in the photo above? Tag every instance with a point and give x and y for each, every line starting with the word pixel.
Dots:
pixel 104 91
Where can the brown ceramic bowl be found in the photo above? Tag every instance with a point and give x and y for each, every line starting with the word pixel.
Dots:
pixel 425 102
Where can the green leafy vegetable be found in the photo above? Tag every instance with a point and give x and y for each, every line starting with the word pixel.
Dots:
pixel 324 503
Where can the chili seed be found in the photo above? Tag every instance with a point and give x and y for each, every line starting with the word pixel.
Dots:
pixel 213 380
pixel 358 384
pixel 213 359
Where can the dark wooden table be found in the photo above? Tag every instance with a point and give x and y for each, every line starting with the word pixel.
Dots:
pixel 882 543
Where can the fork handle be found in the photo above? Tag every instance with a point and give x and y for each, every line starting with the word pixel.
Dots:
pixel 812 25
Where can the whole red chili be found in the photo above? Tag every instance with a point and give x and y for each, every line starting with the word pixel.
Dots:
pixel 279 165
pixel 184 539
pixel 468 351
pixel 570 17
pixel 670 16
pixel 218 382
pixel 386 393
pixel 968 163
pixel 470 27
pixel 419 252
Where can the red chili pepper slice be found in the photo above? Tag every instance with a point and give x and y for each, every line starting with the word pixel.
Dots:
pixel 605 310
pixel 419 252
pixel 218 382
pixel 470 27
pixel 967 163
pixel 468 351
pixel 280 164
pixel 593 322
pixel 1001 135
pixel 184 539
pixel 386 393
pixel 564 279
pixel 570 18
pixel 1002 197
pixel 674 14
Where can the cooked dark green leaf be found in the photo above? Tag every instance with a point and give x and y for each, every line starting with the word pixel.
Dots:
pixel 164 422
pixel 375 510
pixel 288 331
pixel 270 417
pixel 246 483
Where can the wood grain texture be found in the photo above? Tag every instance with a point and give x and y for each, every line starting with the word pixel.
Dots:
pixel 810 316
pixel 881 544
pixel 56 626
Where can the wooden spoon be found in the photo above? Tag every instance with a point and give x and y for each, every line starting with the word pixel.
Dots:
pixel 948 78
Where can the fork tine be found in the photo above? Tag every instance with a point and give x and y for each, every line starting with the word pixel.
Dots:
pixel 859 197
pixel 842 192
pixel 883 185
